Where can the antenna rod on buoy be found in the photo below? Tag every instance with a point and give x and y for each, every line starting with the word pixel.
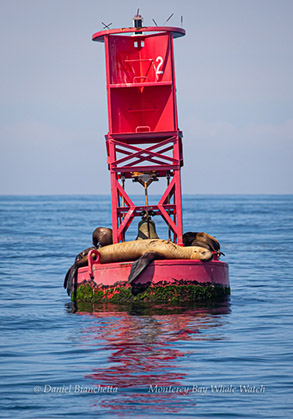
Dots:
pixel 169 18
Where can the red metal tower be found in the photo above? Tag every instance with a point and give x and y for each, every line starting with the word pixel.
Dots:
pixel 144 142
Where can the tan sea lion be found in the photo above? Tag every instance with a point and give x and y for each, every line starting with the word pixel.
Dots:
pixel 143 252
pixel 132 250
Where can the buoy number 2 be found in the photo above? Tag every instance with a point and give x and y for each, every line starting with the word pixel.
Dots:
pixel 159 60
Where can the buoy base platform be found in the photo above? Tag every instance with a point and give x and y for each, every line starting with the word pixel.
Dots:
pixel 163 281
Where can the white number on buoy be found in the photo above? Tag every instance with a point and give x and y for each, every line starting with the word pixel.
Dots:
pixel 160 60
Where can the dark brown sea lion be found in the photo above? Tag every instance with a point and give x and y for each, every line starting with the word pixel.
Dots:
pixel 201 239
pixel 71 275
pixel 102 236
pixel 84 253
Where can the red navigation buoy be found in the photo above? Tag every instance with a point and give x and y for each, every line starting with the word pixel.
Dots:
pixel 144 144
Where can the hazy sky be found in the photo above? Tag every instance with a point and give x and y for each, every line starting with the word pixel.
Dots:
pixel 234 71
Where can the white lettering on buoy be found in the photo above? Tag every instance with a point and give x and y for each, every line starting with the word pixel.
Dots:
pixel 160 60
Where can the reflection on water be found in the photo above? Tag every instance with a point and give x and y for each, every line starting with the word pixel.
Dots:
pixel 147 349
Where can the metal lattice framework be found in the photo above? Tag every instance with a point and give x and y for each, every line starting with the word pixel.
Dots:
pixel 144 142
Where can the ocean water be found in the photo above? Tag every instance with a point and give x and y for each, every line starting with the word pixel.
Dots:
pixel 231 360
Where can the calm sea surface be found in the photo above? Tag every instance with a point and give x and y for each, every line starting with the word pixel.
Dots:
pixel 231 360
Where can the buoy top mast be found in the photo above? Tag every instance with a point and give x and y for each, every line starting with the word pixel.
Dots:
pixel 144 143
pixel 138 28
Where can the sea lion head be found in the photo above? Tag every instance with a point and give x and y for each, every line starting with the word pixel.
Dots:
pixel 188 238
pixel 102 236
pixel 209 240
pixel 201 253
pixel 201 239
pixel 82 254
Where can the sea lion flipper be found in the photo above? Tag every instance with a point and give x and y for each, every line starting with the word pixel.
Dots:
pixel 143 262
pixel 69 278
pixel 66 278
pixel 71 275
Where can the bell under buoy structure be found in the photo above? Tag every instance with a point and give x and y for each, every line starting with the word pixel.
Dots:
pixel 144 145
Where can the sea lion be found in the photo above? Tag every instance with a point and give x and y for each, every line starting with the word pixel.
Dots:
pixel 143 252
pixel 132 250
pixel 102 236
pixel 71 275
pixel 201 239
pixel 84 253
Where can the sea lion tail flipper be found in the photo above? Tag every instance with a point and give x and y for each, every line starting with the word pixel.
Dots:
pixel 143 262
pixel 69 278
